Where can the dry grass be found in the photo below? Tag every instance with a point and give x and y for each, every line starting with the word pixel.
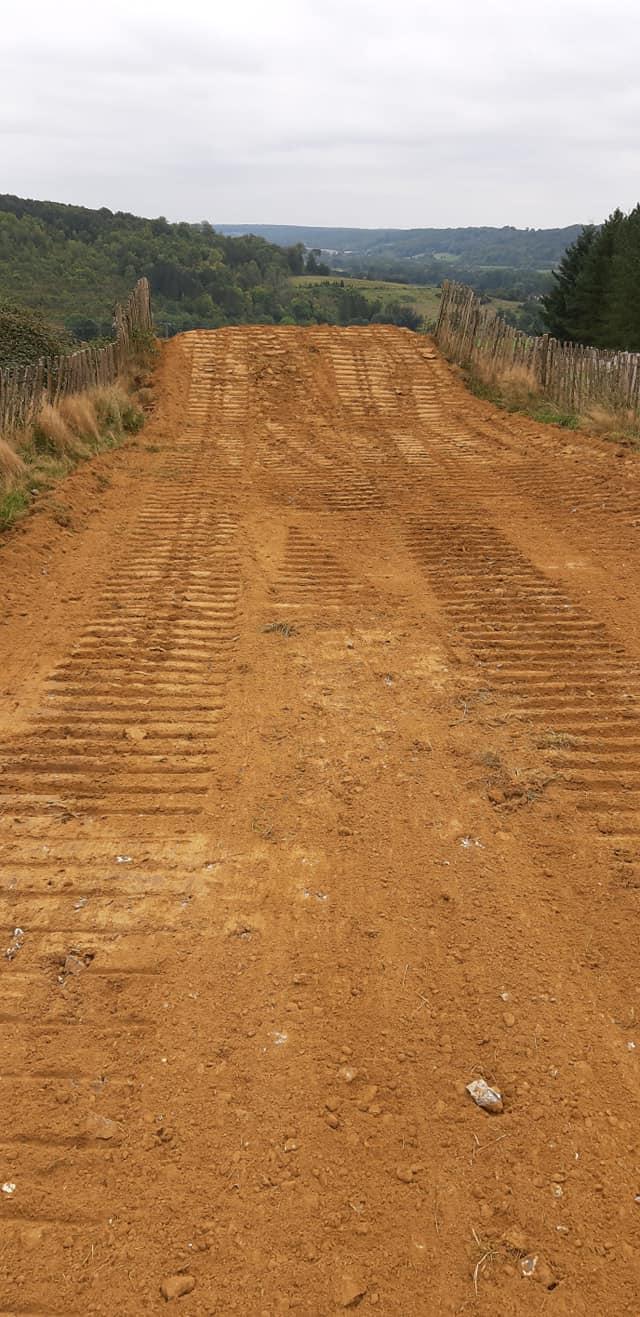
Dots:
pixel 516 389
pixel 620 425
pixel 51 433
pixel 79 414
pixel 115 411
pixel 516 385
pixel 11 464
pixel 60 437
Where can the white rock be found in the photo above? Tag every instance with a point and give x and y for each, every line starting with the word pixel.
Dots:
pixel 487 1098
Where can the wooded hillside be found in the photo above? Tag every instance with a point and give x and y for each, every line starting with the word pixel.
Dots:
pixel 72 264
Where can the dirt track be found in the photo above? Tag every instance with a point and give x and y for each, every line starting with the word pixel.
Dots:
pixel 285 892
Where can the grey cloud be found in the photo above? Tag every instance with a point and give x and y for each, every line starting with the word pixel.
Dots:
pixel 326 111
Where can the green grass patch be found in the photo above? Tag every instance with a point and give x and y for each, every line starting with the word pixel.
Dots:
pixel 13 505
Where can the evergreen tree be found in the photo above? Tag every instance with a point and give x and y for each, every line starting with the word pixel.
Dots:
pixel 592 293
pixel 560 306
pixel 623 319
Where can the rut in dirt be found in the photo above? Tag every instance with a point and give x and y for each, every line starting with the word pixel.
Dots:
pixel 330 804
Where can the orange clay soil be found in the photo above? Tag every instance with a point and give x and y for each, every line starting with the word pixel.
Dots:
pixel 320 798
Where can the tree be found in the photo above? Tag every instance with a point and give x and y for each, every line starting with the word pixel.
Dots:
pixel 560 305
pixel 314 264
pixel 623 317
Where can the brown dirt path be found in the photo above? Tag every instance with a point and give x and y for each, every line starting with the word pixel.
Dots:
pixel 285 892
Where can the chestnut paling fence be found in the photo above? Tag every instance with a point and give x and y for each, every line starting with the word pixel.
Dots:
pixel 568 374
pixel 24 389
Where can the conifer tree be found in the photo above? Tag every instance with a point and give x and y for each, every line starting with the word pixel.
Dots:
pixel 560 306
pixel 623 319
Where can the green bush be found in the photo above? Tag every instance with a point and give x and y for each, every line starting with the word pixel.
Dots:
pixel 25 336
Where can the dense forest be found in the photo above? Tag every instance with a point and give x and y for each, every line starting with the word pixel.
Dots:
pixel 72 264
pixel 596 294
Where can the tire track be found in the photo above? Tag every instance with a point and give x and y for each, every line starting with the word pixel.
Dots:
pixel 118 755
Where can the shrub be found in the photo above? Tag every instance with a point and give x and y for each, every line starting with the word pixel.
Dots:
pixel 25 336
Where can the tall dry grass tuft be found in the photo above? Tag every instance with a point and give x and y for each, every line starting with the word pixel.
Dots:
pixel 11 464
pixel 516 385
pixel 79 414
pixel 619 424
pixel 51 433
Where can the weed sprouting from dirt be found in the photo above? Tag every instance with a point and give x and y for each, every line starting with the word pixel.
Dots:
pixel 280 628
pixel 556 741
pixel 487 1254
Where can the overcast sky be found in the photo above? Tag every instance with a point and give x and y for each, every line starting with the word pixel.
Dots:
pixel 405 113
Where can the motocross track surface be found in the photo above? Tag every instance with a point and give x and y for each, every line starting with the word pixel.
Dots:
pixel 320 798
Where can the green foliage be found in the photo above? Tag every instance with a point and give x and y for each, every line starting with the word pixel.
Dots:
pixel 315 265
pixel 12 505
pixel 25 336
pixel 596 294
pixel 132 419
pixel 74 263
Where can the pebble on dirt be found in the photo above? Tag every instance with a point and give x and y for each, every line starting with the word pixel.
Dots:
pixel 15 944
pixel 349 1291
pixel 175 1287
pixel 536 1267
pixel 102 1127
pixel 484 1096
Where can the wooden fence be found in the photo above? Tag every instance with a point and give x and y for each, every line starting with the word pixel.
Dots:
pixel 568 374
pixel 24 389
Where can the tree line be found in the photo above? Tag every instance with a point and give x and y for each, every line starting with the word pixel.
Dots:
pixel 595 297
pixel 72 263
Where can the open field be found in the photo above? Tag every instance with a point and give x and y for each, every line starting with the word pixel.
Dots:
pixel 424 297
pixel 320 800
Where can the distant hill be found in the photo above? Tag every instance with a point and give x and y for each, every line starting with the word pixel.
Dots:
pixel 72 263
pixel 533 249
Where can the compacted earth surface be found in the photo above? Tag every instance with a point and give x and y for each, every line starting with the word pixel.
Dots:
pixel 320 801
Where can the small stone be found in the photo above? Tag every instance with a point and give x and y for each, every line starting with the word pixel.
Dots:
pixel 535 1267
pixel 174 1287
pixel 332 1121
pixel 348 1073
pixel 349 1291
pixel 405 1174
pixel 509 1019
pixel 290 1145
pixel 102 1127
pixel 487 1098
pixel 135 733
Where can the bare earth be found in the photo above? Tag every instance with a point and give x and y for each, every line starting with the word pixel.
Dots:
pixel 319 799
